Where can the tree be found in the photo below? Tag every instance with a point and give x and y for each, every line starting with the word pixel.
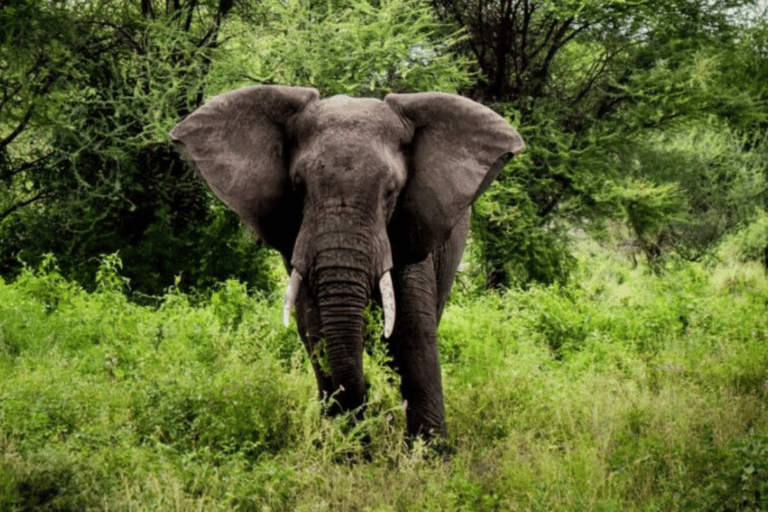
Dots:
pixel 714 150
pixel 91 170
pixel 32 62
pixel 86 168
pixel 585 80
pixel 353 47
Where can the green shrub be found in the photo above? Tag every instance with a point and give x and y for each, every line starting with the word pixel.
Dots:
pixel 737 479
pixel 556 317
pixel 515 249
pixel 749 243
pixel 715 174
pixel 246 413
pixel 627 391
pixel 46 284
pixel 229 303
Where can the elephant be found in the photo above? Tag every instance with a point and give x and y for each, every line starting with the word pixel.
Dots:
pixel 365 199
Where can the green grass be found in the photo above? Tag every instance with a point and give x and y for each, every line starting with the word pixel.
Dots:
pixel 626 391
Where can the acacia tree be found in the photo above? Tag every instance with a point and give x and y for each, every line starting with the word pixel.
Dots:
pixel 350 47
pixel 584 79
pixel 57 58
pixel 89 94
pixel 29 75
pixel 91 170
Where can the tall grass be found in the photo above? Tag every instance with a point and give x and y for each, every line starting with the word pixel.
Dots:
pixel 626 391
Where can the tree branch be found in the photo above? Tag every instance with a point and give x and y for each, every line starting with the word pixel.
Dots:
pixel 22 204
pixel 147 11
pixel 121 31
pixel 19 128
pixel 25 167
pixel 545 40
pixel 8 95
pixel 190 12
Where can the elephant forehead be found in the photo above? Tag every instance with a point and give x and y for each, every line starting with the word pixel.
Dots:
pixel 351 118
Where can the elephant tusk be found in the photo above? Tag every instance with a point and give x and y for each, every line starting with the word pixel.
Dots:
pixel 290 296
pixel 387 303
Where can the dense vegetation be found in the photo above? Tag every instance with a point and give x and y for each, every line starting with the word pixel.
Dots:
pixel 628 391
pixel 653 112
pixel 606 347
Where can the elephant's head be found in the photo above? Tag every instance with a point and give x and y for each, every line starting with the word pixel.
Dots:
pixel 344 188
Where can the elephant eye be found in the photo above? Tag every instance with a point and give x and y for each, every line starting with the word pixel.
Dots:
pixel 297 181
pixel 389 190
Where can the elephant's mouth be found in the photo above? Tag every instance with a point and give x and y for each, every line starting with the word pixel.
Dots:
pixel 385 288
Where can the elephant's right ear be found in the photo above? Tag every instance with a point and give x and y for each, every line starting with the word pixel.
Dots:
pixel 237 142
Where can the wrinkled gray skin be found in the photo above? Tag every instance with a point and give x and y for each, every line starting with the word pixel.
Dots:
pixel 348 189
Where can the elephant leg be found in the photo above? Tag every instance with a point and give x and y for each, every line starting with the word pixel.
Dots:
pixel 413 346
pixel 310 330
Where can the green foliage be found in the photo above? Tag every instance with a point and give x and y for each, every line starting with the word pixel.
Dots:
pixel 627 391
pixel 555 316
pixel 353 47
pixel 108 278
pixel 739 481
pixel 748 243
pixel 230 303
pixel 516 246
pixel 704 185
pixel 589 81
pixel 235 413
pixel 648 208
pixel 86 168
pixel 46 285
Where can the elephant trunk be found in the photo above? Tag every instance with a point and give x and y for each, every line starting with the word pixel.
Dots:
pixel 343 255
pixel 342 294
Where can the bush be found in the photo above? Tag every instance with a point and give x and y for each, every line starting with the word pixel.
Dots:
pixel 719 178
pixel 738 480
pixel 514 248
pixel 749 243
pixel 627 391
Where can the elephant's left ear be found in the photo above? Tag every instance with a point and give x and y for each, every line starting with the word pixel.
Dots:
pixel 458 148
